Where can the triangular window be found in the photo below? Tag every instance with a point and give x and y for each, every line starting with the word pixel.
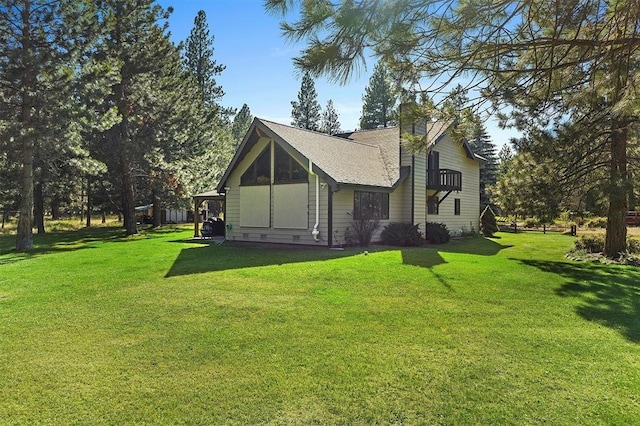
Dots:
pixel 259 172
pixel 288 170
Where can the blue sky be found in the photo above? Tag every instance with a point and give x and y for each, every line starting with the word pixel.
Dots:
pixel 260 70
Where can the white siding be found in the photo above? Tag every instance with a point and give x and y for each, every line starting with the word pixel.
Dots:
pixel 420 195
pixel 453 156
pixel 343 210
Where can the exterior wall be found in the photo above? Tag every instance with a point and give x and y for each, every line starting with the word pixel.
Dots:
pixel 175 215
pixel 420 195
pixel 453 156
pixel 271 234
pixel 343 208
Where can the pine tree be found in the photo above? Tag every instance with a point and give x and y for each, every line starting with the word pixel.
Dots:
pixel 137 46
pixel 241 123
pixel 198 59
pixel 488 223
pixel 482 145
pixel 39 43
pixel 306 111
pixel 379 100
pixel 330 123
pixel 504 159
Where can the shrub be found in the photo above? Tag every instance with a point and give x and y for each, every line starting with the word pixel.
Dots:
pixel 633 246
pixel 590 243
pixel 437 233
pixel 363 230
pixel 595 244
pixel 401 234
pixel 596 222
pixel 531 223
pixel 488 223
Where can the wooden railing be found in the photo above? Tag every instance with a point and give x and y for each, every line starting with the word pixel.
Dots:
pixel 444 180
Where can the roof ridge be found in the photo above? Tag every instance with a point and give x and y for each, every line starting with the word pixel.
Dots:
pixel 317 133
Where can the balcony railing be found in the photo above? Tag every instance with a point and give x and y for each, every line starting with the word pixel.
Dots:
pixel 444 180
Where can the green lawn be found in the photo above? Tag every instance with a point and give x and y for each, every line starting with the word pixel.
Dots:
pixel 97 328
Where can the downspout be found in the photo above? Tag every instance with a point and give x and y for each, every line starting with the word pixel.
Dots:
pixel 316 233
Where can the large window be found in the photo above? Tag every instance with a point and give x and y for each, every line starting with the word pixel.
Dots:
pixel 288 170
pixel 259 172
pixel 370 205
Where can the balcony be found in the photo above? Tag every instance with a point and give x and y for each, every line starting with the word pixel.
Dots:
pixel 444 180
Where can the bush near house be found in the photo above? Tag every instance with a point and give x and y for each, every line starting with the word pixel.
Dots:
pixel 402 234
pixel 364 228
pixel 437 233
pixel 488 222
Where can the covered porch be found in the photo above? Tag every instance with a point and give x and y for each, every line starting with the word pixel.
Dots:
pixel 202 215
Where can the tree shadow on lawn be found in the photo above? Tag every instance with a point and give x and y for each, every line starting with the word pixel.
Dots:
pixel 63 241
pixel 610 294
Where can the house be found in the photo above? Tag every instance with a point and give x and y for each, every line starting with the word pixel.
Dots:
pixel 294 186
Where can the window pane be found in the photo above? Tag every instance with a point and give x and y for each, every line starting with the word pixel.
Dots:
pixel 263 169
pixel 259 172
pixel 287 169
pixel 370 205
pixel 281 164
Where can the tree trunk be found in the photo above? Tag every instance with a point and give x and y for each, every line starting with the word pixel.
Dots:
pixel 88 202
pixel 157 210
pixel 122 135
pixel 128 197
pixel 24 237
pixel 616 237
pixel 38 207
pixel 55 208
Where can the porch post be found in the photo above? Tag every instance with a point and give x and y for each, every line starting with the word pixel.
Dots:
pixel 196 217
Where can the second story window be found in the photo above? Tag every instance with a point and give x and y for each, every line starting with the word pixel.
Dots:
pixel 259 172
pixel 288 170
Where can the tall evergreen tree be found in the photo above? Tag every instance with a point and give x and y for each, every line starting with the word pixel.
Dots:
pixel 379 100
pixel 241 123
pixel 306 111
pixel 330 123
pixel 39 41
pixel 137 46
pixel 198 58
pixel 505 155
pixel 482 145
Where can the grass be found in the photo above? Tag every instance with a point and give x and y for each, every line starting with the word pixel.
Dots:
pixel 156 329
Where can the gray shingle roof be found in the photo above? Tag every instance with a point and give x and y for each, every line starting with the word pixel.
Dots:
pixel 366 158
pixel 359 161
